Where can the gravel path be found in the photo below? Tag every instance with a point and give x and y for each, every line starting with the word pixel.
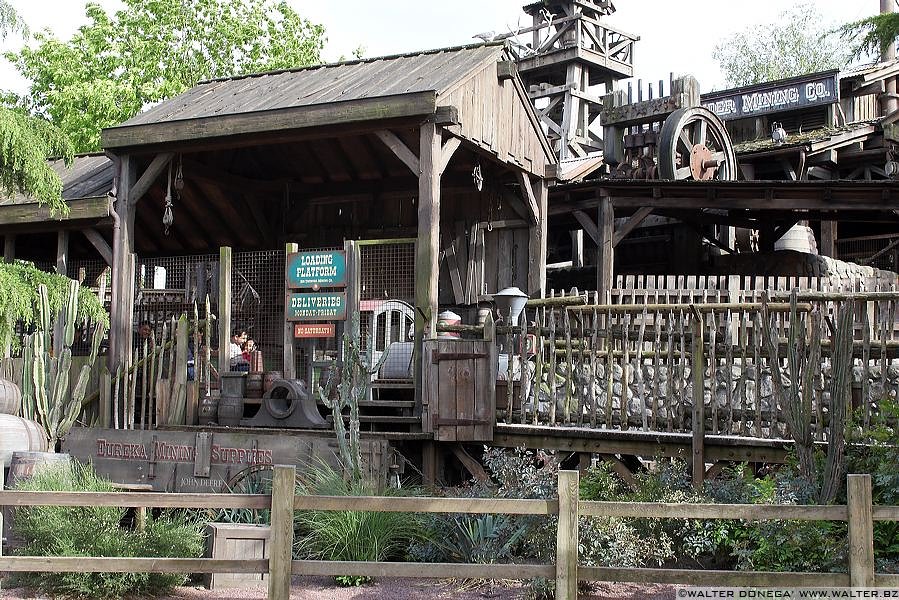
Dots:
pixel 323 588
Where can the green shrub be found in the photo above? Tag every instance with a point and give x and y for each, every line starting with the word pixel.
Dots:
pixel 350 535
pixel 96 531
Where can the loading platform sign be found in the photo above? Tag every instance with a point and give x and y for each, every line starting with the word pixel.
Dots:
pixel 314 271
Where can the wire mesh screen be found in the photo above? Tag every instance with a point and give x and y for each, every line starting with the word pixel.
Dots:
pixel 387 295
pixel 96 275
pixel 167 287
pixel 881 252
pixel 257 304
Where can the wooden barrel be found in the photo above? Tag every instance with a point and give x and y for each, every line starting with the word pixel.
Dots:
pixel 10 397
pixel 20 435
pixel 254 384
pixel 208 411
pixel 230 411
pixel 269 380
pixel 24 465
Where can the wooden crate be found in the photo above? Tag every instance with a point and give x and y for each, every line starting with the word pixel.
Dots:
pixel 236 541
pixel 459 389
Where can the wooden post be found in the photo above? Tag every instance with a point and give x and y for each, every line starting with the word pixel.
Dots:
pixel 289 368
pixel 427 265
pixel 605 252
pixel 280 552
pixel 577 247
pixel 122 270
pixel 861 531
pixel 9 247
pixel 62 252
pixel 828 246
pixel 567 536
pixel 698 403
pixel 537 243
pixel 224 317
pixel 105 397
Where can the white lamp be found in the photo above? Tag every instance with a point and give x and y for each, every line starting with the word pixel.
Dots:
pixel 510 300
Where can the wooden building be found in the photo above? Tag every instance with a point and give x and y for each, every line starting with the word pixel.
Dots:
pixel 440 146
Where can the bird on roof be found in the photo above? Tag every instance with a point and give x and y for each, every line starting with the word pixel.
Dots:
pixel 487 36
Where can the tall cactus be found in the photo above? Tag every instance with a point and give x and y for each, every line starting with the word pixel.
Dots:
pixel 46 396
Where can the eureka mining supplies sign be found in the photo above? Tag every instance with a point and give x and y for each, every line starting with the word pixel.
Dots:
pixel 320 269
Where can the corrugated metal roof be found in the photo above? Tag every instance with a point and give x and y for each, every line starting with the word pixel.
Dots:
pixel 434 70
pixel 88 176
pixel 865 69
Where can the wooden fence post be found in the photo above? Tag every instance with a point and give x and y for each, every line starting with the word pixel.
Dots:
pixel 281 550
pixel 224 320
pixel 567 536
pixel 698 403
pixel 861 531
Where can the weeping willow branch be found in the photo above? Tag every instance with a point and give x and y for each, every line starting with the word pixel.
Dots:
pixel 872 35
pixel 26 142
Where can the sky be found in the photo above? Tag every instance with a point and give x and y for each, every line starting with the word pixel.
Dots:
pixel 675 36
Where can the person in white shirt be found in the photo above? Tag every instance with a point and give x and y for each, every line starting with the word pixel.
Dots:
pixel 238 362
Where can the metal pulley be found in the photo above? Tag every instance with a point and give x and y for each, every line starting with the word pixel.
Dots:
pixel 694 144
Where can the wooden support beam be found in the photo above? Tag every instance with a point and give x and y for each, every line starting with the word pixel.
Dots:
pixel 62 252
pixel 224 308
pixel 99 243
pixel 427 265
pixel 160 162
pixel 587 223
pixel 402 151
pixel 828 243
pixel 287 121
pixel 122 317
pixel 290 362
pixel 537 243
pixel 631 224
pixel 527 192
pixel 577 247
pixel 449 148
pixel 606 250
pixel 9 247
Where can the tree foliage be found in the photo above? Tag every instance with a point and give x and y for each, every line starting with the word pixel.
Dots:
pixel 798 43
pixel 871 36
pixel 27 141
pixel 147 52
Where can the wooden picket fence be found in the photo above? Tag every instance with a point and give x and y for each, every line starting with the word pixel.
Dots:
pixel 579 363
pixel 568 508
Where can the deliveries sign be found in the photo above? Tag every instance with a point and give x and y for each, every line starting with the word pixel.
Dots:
pixel 330 306
pixel 323 269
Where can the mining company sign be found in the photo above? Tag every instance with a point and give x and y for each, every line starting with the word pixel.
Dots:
pixel 321 269
pixel 777 96
pixel 177 460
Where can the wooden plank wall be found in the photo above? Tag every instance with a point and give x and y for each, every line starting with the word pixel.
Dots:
pixel 494 117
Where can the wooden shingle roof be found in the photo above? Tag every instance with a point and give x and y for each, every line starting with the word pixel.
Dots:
pixel 430 71
pixel 88 176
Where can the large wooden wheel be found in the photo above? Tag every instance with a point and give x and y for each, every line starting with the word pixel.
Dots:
pixel 694 144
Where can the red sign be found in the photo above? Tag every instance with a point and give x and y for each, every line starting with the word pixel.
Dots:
pixel 313 330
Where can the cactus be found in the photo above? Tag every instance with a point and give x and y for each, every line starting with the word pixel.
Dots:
pixel 46 397
pixel 352 386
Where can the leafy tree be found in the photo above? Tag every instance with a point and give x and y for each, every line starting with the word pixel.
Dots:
pixel 149 51
pixel 798 43
pixel 27 141
pixel 872 36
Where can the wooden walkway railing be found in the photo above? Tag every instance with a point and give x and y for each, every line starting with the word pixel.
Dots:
pixel 859 513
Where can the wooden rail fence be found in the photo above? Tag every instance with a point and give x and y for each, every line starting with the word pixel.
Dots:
pixel 858 512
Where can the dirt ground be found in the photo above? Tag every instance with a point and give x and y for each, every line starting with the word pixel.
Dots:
pixel 323 588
